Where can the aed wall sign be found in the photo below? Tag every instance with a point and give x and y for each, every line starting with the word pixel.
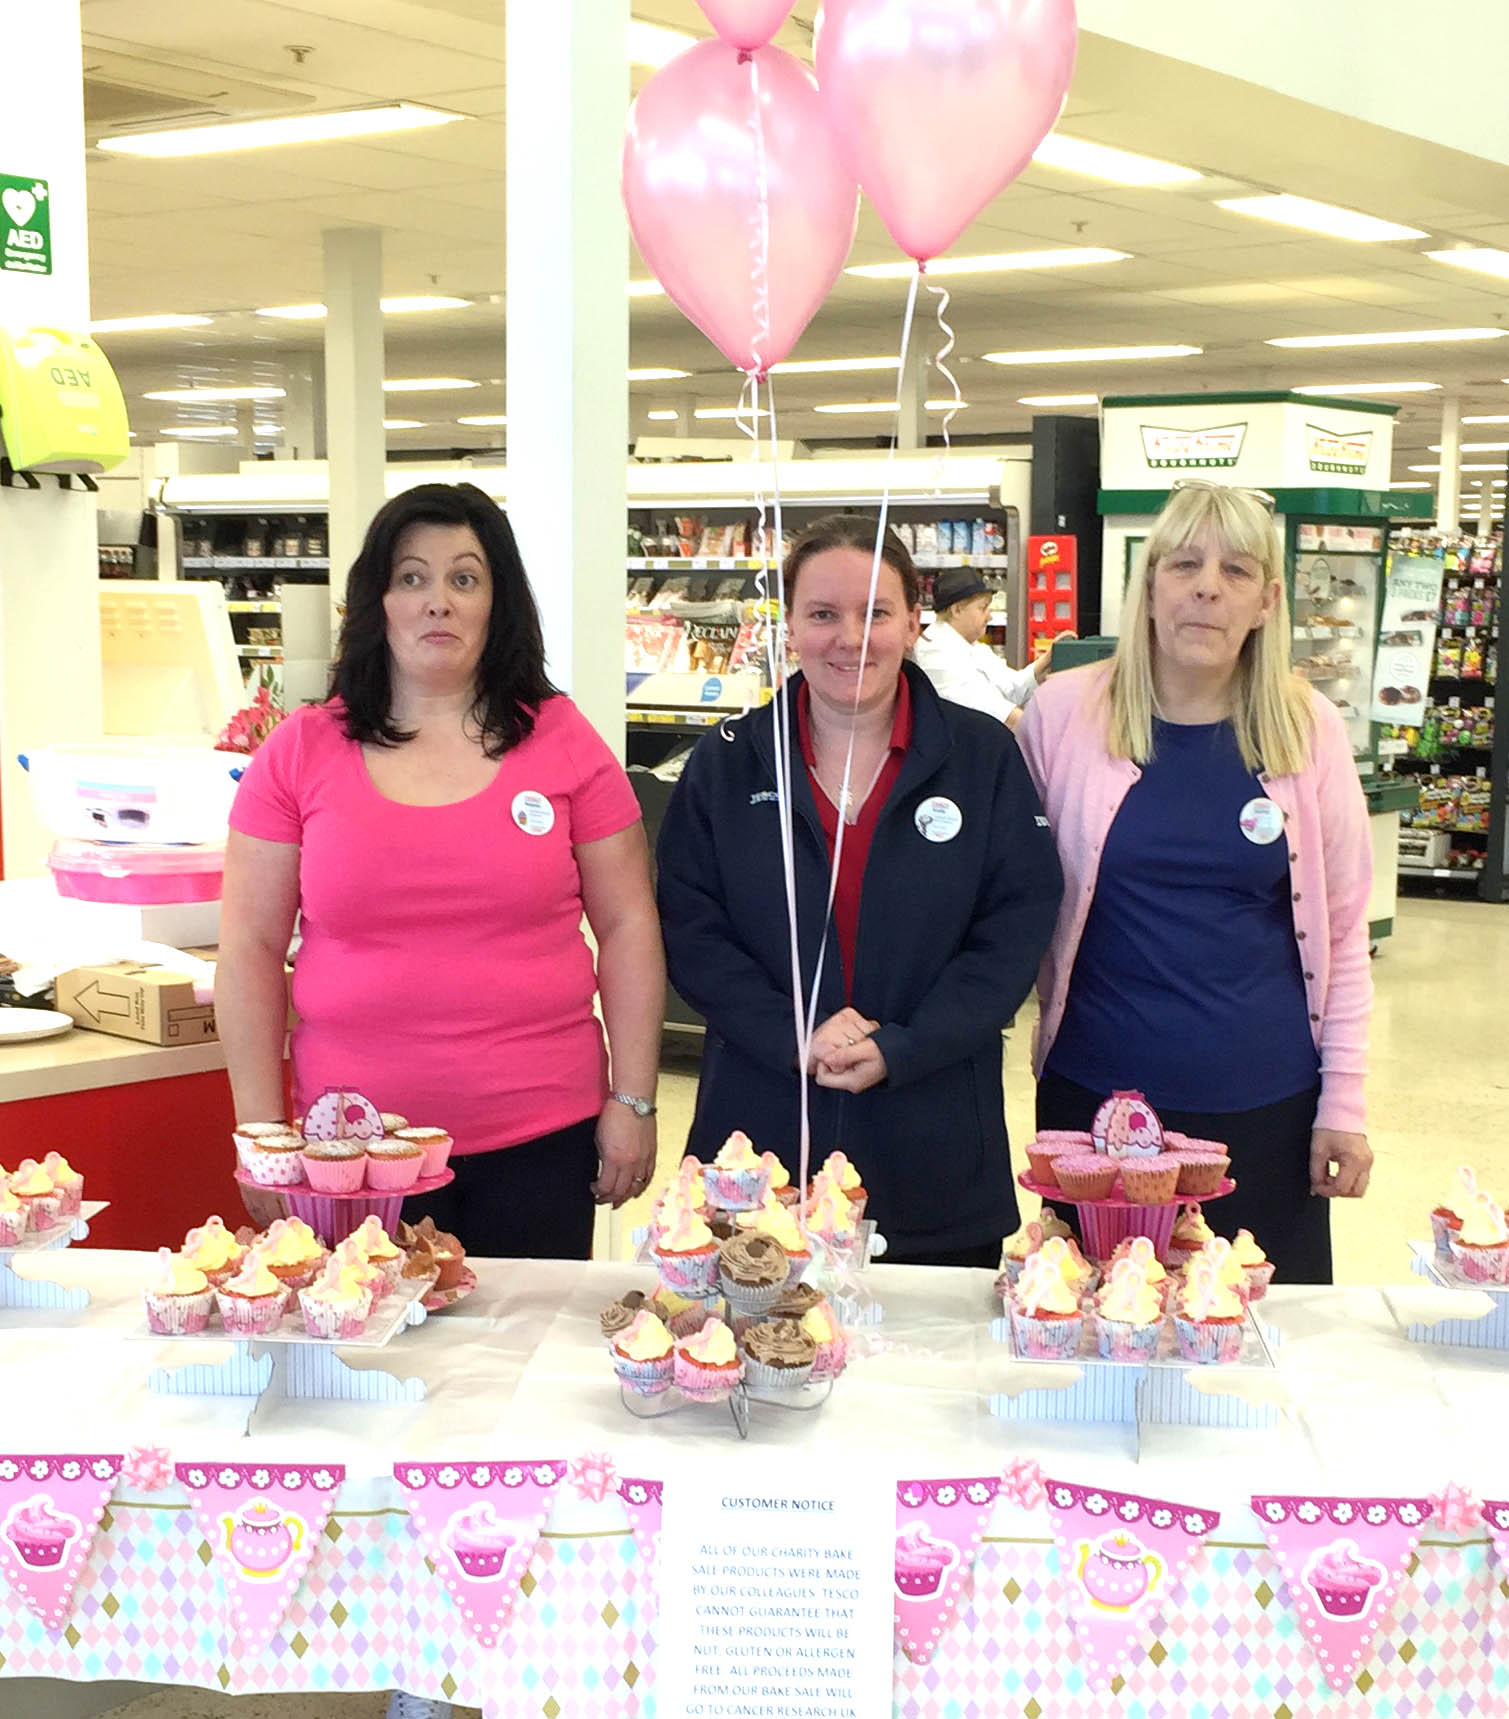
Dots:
pixel 25 225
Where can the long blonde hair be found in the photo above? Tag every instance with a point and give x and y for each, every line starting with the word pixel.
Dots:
pixel 1270 705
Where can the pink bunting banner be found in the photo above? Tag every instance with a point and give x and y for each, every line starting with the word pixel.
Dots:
pixel 643 1499
pixel 938 1528
pixel 1120 1557
pixel 1496 1515
pixel 481 1522
pixel 50 1510
pixel 263 1522
pixel 1343 1559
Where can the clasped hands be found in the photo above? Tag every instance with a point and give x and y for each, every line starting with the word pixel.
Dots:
pixel 844 1055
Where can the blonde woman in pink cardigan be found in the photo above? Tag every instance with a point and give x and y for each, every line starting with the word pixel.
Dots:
pixel 1212 946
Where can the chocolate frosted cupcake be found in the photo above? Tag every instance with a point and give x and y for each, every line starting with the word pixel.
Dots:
pixel 778 1355
pixel 753 1269
pixel 796 1301
pixel 620 1315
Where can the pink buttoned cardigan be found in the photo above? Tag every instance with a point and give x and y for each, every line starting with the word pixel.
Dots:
pixel 1063 735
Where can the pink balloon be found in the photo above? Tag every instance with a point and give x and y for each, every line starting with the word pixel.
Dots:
pixel 691 185
pixel 939 104
pixel 748 24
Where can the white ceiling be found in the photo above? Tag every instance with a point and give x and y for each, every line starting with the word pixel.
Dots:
pixel 223 235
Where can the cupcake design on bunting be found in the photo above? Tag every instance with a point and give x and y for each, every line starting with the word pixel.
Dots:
pixel 938 1529
pixel 1127 1126
pixel 50 1510
pixel 480 1522
pixel 263 1522
pixel 1342 1560
pixel 1496 1519
pixel 341 1114
pixel 1119 1555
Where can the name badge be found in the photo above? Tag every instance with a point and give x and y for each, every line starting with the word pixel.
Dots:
pixel 938 819
pixel 1261 822
pixel 533 813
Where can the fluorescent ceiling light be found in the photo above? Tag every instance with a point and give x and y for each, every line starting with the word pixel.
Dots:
pixel 645 289
pixel 194 395
pixel 293 312
pixel 402 424
pixel 1093 354
pixel 664 417
pixel 1437 468
pixel 1407 337
pixel 1476 448
pixel 840 407
pixel 487 421
pixel 657 373
pixel 426 384
pixel 1368 388
pixel 288 128
pixel 147 324
pixel 1099 161
pixel 1316 217
pixel 199 430
pixel 824 366
pixel 1059 400
pixel 726 412
pixel 652 44
pixel 999 262
pixel 1489 418
pixel 1414 483
pixel 390 307
pixel 1481 259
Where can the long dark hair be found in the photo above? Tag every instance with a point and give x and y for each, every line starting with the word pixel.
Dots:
pixel 511 679
pixel 852 531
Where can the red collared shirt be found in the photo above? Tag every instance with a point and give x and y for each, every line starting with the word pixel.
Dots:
pixel 857 836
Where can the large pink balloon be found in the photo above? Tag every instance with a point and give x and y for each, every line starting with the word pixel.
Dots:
pixel 939 104
pixel 746 23
pixel 691 184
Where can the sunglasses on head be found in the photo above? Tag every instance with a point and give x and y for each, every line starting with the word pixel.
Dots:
pixel 1261 495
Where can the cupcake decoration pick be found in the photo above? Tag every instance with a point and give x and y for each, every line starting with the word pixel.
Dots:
pixel 1127 1126
pixel 341 1114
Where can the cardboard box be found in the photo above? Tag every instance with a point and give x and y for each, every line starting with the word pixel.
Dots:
pixel 152 1004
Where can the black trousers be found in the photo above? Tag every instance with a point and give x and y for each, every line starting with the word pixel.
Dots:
pixel 1270 1163
pixel 530 1201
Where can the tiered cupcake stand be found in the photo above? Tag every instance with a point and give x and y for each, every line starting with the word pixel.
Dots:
pixel 1165 1390
pixel 290 1364
pixel 18 1291
pixel 1485 1328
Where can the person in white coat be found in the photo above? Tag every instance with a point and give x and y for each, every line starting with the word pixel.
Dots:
pixel 964 669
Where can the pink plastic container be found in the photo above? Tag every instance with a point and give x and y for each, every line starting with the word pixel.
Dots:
pixel 136 873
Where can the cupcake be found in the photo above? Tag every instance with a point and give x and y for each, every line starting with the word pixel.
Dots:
pixel 251 1304
pixel 737 1177
pixel 1150 1181
pixel 214 1250
pixel 338 1306
pixel 1208 1317
pixel 1342 1581
pixel 707 1365
pixel 753 1270
pixel 1255 1264
pixel 1128 1315
pixel 1202 1169
pixel 922 1562
pixel 776 1221
pixel 686 1255
pixel 644 1355
pixel 780 1183
pixel 1063 1255
pixel 480 1541
pixel 843 1175
pixel 618 1315
pixel 778 1355
pixel 1218 1253
pixel 68 1182
pixel 1041 1155
pixel 1480 1248
pixel 179 1299
pixel 1447 1217
pixel 380 1250
pixel 349 1260
pixel 435 1145
pixel 1016 1249
pixel 446 1254
pixel 1140 1250
pixel 832 1345
pixel 393 1165
pixel 683 1314
pixel 276 1160
pixel 832 1220
pixel 41 1202
pixel 246 1134
pixel 392 1122
pixel 1190 1234
pixel 334 1166
pixel 1045 1318
pixel 1086 1175
pixel 1065 1139
pixel 796 1301
pixel 691 1182
pixel 291 1252
pixel 12 1217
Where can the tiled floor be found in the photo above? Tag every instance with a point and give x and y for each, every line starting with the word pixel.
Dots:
pixel 1439 1096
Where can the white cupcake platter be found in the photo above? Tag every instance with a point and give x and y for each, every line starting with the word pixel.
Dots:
pixel 16 1291
pixel 1480 1325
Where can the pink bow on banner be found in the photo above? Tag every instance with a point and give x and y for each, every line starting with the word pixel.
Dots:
pixel 1343 1559
pixel 50 1510
pixel 1456 1509
pixel 593 1476
pixel 149 1467
pixel 939 1524
pixel 1120 1556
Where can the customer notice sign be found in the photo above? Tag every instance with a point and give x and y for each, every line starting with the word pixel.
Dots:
pixel 25 225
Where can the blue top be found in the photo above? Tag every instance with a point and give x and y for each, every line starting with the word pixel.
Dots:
pixel 1188 984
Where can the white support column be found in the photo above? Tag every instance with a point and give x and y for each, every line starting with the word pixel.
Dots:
pixel 357 447
pixel 1485 510
pixel 49 566
pixel 304 409
pixel 911 420
pixel 568 336
pixel 1449 493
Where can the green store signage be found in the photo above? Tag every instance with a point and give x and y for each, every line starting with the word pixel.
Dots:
pixel 1337 451
pixel 26 225
pixel 1181 449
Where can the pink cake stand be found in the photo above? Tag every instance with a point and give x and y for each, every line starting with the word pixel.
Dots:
pixel 1105 1223
pixel 333 1217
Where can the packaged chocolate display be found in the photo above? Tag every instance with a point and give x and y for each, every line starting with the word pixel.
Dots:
pixel 640 592
pixel 1448 659
pixel 651 643
pixel 1473 804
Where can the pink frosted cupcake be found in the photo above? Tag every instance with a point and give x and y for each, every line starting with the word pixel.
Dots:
pixel 41 1202
pixel 1046 1321
pixel 180 1298
pixel 1209 1317
pixel 378 1248
pixel 707 1365
pixel 832 1345
pixel 334 1166
pixel 393 1165
pixel 338 1306
pixel 252 1303
pixel 1255 1264
pixel 1480 1248
pixel 68 1182
pixel 644 1356
pixel 434 1143
pixel 686 1254
pixel 737 1178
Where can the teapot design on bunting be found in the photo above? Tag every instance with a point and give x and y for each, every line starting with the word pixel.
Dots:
pixel 1117 1571
pixel 262 1539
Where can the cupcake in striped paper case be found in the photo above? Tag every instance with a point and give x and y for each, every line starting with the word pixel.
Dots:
pixel 686 1255
pixel 644 1355
pixel 1229 1268
pixel 214 1250
pixel 1128 1314
pixel 349 1259
pixel 1208 1316
pixel 834 1221
pixel 68 1182
pixel 251 1303
pixel 1256 1265
pixel 378 1248
pixel 292 1252
pixel 1046 1321
pixel 843 1175
pixel 737 1178
pixel 1190 1234
pixel 1480 1249
pixel 1062 1253
pixel 40 1200
pixel 338 1304
pixel 179 1299
pixel 707 1365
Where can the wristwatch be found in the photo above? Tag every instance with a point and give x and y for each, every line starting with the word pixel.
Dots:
pixel 640 1106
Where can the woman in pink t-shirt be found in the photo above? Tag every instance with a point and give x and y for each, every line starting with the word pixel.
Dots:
pixel 440 827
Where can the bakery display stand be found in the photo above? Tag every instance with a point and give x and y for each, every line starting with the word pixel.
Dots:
pixel 16 1291
pixel 1487 1328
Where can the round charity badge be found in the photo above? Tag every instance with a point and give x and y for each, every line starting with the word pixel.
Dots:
pixel 533 813
pixel 938 819
pixel 1261 821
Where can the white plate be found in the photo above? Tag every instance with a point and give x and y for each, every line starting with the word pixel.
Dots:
pixel 18 1025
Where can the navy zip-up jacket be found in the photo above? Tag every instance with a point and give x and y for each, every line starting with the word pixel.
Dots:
pixel 950 936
